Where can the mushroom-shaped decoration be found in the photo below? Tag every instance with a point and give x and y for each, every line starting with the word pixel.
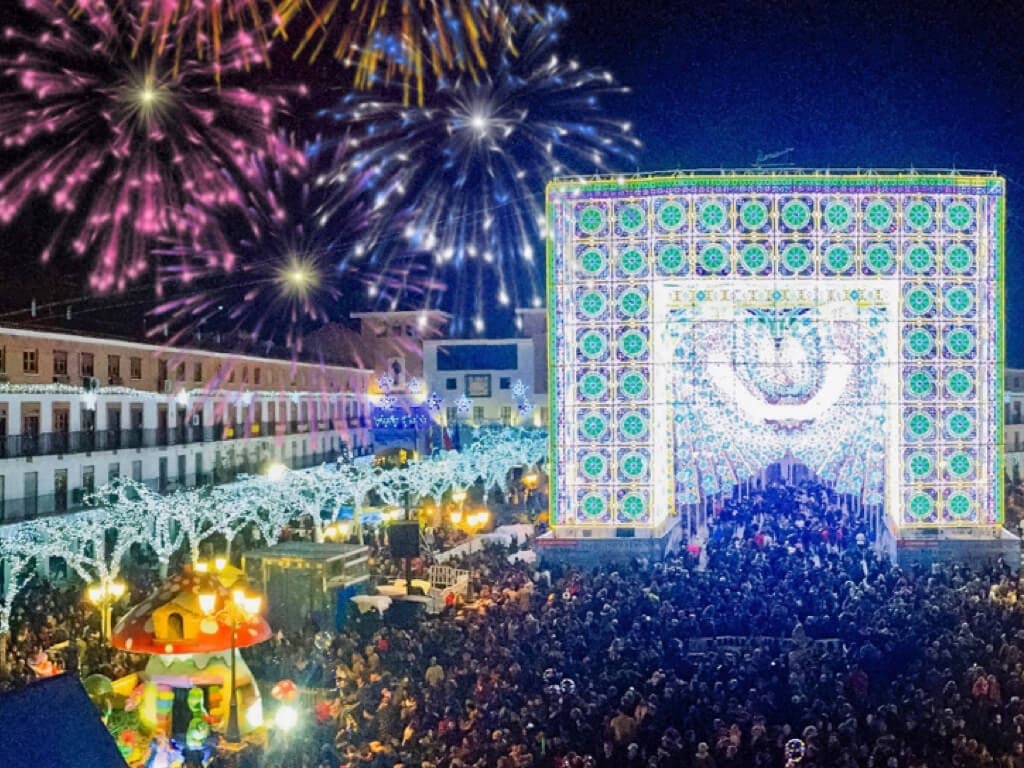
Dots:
pixel 172 620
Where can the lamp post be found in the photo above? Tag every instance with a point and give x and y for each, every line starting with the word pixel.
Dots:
pixel 103 595
pixel 530 482
pixel 245 606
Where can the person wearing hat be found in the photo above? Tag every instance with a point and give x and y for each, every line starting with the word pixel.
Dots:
pixel 703 758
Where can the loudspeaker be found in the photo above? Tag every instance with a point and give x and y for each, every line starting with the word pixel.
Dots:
pixel 404 536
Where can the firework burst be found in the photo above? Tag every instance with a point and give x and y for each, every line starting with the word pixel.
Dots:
pixel 402 40
pixel 128 141
pixel 291 259
pixel 469 168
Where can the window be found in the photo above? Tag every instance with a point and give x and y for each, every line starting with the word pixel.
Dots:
pixel 453 414
pixel 60 363
pixel 231 377
pixel 505 382
pixel 113 471
pixel 245 374
pixel 478 413
pixel 85 364
pixel 181 372
pixel 137 471
pixel 451 383
pixel 135 367
pixel 256 377
pixel 89 478
pixel 30 361
pixel 197 372
pixel 114 366
pixel 3 359
pixel 506 415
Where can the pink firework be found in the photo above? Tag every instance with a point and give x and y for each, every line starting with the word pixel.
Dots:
pixel 128 135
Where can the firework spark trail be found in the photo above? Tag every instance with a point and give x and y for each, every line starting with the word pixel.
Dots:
pixel 469 167
pixel 126 144
pixel 401 40
pixel 289 259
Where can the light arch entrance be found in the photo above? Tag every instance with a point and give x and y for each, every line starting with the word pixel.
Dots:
pixel 703 324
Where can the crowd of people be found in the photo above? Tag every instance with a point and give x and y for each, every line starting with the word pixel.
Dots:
pixel 789 626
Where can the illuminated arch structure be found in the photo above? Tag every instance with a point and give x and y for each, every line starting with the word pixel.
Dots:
pixel 706 325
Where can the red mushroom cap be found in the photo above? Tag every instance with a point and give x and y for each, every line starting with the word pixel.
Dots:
pixel 136 631
pixel 285 690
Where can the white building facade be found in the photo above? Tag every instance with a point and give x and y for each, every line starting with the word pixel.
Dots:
pixel 485 381
pixel 76 412
pixel 1013 431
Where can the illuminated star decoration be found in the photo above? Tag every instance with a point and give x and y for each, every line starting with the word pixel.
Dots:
pixel 287 261
pixel 124 141
pixel 469 168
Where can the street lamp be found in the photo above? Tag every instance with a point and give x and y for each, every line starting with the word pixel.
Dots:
pixel 276 471
pixel 242 606
pixel 103 595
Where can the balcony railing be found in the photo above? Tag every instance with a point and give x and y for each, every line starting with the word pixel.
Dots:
pixel 88 441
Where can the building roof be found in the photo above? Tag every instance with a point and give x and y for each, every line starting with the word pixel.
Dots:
pixel 308 550
pixel 53 723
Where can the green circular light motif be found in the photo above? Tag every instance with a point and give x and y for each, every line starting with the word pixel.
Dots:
pixel 754 257
pixel 920 384
pixel 670 216
pixel 919 214
pixel 958 259
pixel 631 261
pixel 959 216
pixel 959 383
pixel 879 258
pixel 593 505
pixel 753 214
pixel 959 504
pixel 632 303
pixel 591 219
pixel 959 300
pixel 960 464
pixel 921 505
pixel 713 258
pixel 921 465
pixel 633 425
pixel 633 385
pixel 837 214
pixel 592 261
pixel 631 217
pixel 593 385
pixel 592 344
pixel 838 258
pixel 633 465
pixel 959 343
pixel 959 423
pixel 796 257
pixel 671 258
pixel 594 426
pixel 919 424
pixel 712 215
pixel 796 214
pixel 593 465
pixel 920 342
pixel 632 344
pixel 632 506
pixel 592 303
pixel 920 258
pixel 919 300
pixel 878 215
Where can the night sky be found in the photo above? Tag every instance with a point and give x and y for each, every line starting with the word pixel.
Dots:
pixel 849 84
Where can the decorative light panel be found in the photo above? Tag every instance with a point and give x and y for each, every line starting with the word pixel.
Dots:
pixel 703 327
